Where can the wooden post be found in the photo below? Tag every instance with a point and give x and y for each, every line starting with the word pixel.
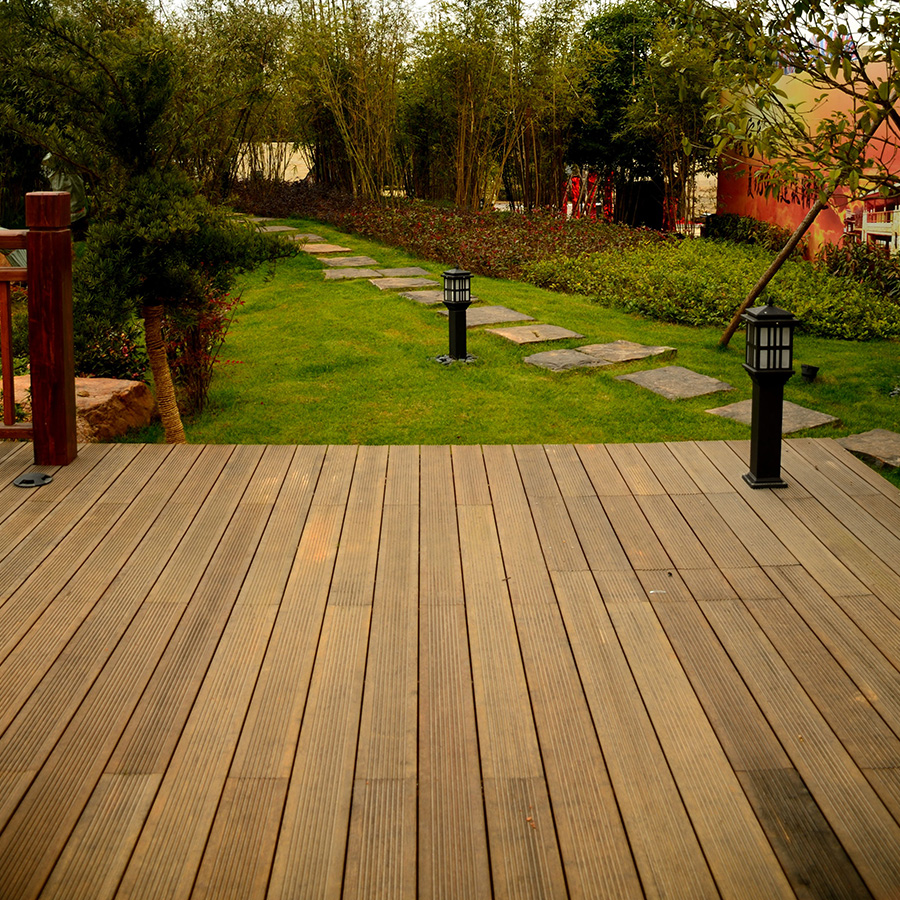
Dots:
pixel 47 217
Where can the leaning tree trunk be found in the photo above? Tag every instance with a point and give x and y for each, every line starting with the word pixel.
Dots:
pixel 804 226
pixel 769 274
pixel 162 376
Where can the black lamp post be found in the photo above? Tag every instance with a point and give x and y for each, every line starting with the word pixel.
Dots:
pixel 769 360
pixel 457 299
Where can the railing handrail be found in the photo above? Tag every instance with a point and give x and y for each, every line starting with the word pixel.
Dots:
pixel 48 241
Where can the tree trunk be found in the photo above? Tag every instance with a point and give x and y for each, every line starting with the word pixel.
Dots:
pixel 162 376
pixel 802 228
pixel 769 274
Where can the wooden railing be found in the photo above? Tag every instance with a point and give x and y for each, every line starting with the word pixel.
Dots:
pixel 48 240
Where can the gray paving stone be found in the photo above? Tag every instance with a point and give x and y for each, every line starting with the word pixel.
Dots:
pixel 404 272
pixel 879 446
pixel 560 360
pixel 428 298
pixel 336 274
pixel 397 284
pixel 533 334
pixel 306 236
pixel 793 417
pixel 323 248
pixel 676 382
pixel 275 229
pixel 340 262
pixel 490 315
pixel 627 351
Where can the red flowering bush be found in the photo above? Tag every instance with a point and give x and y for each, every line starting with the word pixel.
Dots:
pixel 102 351
pixel 194 336
pixel 496 244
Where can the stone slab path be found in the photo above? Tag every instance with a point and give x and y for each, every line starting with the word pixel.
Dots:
pixel 338 274
pixel 275 229
pixel 348 261
pixel 397 284
pixel 879 446
pixel 676 382
pixel 307 236
pixel 325 248
pixel 490 315
pixel 533 334
pixel 427 298
pixel 563 360
pixel 627 351
pixel 405 272
pixel 793 416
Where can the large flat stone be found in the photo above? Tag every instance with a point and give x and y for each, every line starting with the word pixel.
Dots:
pixel 404 272
pixel 878 446
pixel 307 236
pixel 324 248
pixel 428 298
pixel 793 417
pixel 561 360
pixel 341 262
pixel 105 408
pixel 338 274
pixel 533 334
pixel 627 351
pixel 399 284
pixel 491 315
pixel 276 229
pixel 676 382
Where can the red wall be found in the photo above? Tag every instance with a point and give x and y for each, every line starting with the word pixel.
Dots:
pixel 740 189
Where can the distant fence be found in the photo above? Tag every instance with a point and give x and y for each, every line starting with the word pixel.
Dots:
pixel 48 273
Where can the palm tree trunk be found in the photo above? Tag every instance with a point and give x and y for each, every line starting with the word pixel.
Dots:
pixel 162 376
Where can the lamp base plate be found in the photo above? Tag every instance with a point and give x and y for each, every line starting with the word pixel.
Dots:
pixel 447 359
pixel 755 482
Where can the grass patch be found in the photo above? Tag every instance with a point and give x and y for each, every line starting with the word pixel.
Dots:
pixel 317 362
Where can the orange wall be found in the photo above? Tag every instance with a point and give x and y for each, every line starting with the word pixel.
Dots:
pixel 740 189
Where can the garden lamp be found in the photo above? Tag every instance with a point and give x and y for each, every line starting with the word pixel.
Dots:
pixel 769 360
pixel 457 299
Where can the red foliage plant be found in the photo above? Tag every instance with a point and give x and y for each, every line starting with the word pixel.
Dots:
pixel 496 244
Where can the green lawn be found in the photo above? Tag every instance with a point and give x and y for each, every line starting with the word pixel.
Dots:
pixel 320 362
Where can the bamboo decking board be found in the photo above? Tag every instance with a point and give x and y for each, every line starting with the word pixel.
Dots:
pixel 449 672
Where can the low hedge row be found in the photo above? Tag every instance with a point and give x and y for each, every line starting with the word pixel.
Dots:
pixel 702 282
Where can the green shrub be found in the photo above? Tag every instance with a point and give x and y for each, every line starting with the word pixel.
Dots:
pixel 864 264
pixel 701 282
pixel 107 342
pixel 747 230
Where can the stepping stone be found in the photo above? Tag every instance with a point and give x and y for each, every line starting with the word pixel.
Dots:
pixel 429 298
pixel 324 248
pixel 676 382
pixel 879 446
pixel 490 315
pixel 315 238
pixel 793 417
pixel 347 261
pixel 560 360
pixel 336 274
pixel 274 229
pixel 397 284
pixel 627 351
pixel 404 272
pixel 533 334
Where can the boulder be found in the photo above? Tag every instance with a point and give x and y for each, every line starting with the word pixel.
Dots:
pixel 105 408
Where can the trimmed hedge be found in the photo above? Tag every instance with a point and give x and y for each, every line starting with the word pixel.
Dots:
pixel 702 282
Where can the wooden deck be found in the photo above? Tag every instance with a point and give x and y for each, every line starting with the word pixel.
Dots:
pixel 596 671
